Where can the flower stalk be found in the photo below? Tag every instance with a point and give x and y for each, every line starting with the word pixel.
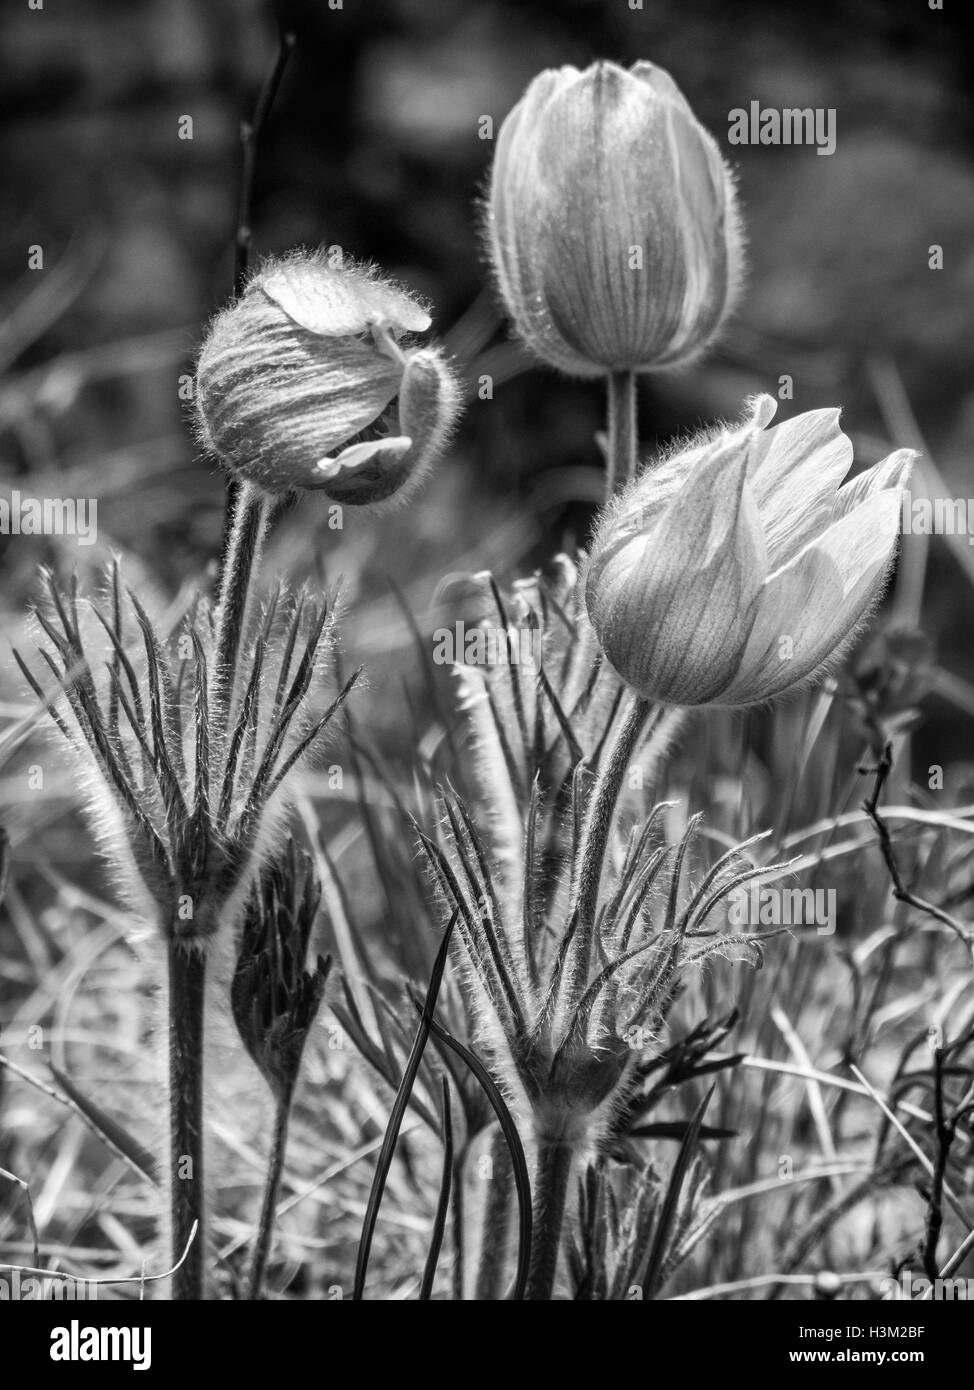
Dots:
pixel 552 1174
pixel 623 435
pixel 597 832
pixel 187 991
pixel 459 1222
pixel 248 528
pixel 496 1224
pixel 268 1206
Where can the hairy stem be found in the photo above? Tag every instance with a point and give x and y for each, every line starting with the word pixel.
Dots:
pixel 187 980
pixel 552 1174
pixel 623 435
pixel 268 1208
pixel 496 1223
pixel 596 838
pixel 251 514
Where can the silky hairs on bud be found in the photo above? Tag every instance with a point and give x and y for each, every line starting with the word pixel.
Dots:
pixel 310 380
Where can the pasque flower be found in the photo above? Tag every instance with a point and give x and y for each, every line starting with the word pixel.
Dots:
pixel 311 380
pixel 612 222
pixel 739 568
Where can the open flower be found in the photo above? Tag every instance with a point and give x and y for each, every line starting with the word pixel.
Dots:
pixel 612 222
pixel 740 568
pixel 311 380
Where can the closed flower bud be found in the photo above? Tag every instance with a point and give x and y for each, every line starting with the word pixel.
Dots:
pixel 274 998
pixel 740 568
pixel 612 221
pixel 310 380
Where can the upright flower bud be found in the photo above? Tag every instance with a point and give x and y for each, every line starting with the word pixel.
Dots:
pixel 274 998
pixel 739 567
pixel 612 221
pixel 310 380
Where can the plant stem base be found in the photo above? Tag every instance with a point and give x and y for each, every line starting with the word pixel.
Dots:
pixel 187 981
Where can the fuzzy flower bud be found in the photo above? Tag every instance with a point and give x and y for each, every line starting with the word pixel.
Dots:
pixel 310 380
pixel 275 999
pixel 739 568
pixel 612 221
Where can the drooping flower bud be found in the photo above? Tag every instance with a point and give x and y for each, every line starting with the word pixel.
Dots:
pixel 310 380
pixel 612 221
pixel 739 568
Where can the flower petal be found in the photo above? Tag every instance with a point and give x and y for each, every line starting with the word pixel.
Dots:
pixel 273 397
pixel 593 293
pixel 891 472
pixel 337 303
pixel 673 609
pixel 809 609
pixel 512 218
pixel 796 471
pixel 394 446
pixel 639 506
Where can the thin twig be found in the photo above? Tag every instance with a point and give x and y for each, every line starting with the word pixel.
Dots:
pixel 956 1260
pixel 29 1208
pixel 250 132
pixel 123 1279
pixel 900 891
pixel 918 1153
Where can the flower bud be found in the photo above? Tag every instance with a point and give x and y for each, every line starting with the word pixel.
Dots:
pixel 740 568
pixel 309 380
pixel 612 221
pixel 274 998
